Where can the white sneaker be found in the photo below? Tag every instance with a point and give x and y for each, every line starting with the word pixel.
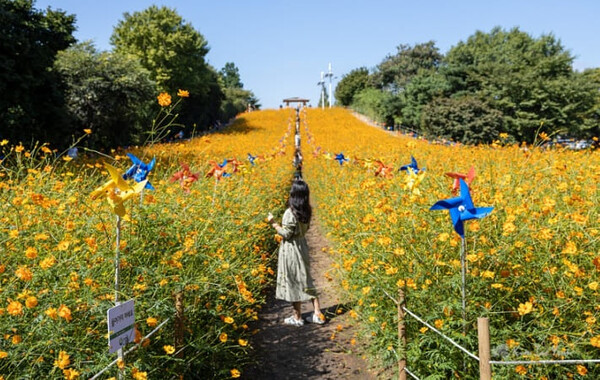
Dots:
pixel 314 318
pixel 292 321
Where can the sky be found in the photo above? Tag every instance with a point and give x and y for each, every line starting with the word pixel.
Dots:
pixel 281 47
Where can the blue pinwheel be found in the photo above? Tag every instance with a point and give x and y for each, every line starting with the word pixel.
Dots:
pixel 251 158
pixel 412 166
pixel 461 208
pixel 340 158
pixel 139 170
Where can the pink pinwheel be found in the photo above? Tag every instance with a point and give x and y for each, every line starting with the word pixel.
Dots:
pixel 185 177
pixel 458 176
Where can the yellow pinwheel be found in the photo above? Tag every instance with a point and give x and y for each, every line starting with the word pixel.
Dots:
pixel 117 190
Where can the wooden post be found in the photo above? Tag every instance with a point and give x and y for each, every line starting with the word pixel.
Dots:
pixel 401 337
pixel 483 337
pixel 179 324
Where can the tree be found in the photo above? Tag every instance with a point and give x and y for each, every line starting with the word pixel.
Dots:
pixel 231 76
pixel 378 105
pixel 528 80
pixel 422 90
pixel 107 92
pixel 350 84
pixel 31 98
pixel 396 71
pixel 174 53
pixel 466 119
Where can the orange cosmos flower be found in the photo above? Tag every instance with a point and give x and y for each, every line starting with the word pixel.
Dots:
pixel 183 93
pixel 15 308
pixel 63 360
pixel 23 273
pixel 65 312
pixel 164 99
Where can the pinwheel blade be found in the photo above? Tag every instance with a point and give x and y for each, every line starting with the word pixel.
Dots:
pixel 134 159
pixel 457 221
pixel 447 204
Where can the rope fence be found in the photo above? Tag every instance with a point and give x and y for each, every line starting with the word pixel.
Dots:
pixel 131 349
pixel 483 339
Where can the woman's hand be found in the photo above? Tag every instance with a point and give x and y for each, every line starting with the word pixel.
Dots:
pixel 270 218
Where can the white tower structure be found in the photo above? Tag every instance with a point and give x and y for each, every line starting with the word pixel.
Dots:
pixel 322 84
pixel 329 75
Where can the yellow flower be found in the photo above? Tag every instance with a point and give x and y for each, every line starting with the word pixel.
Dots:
pixel 183 93
pixel 593 285
pixel 424 329
pixel 31 252
pixel 164 99
pixel 139 375
pixel 3 354
pixel 63 360
pixel 31 302
pixel 235 373
pixel 223 337
pixel 48 262
pixel 521 370
pixel 88 131
pixel 51 312
pixel 228 320
pixel 525 308
pixel 438 323
pixel 23 273
pixel 151 321
pixel 243 342
pixel 71 374
pixel 15 308
pixel 169 349
pixel 65 312
pixel 595 341
pixel 3 142
pixel 19 148
pixel 581 370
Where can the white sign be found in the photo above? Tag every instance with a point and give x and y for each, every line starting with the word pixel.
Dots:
pixel 121 330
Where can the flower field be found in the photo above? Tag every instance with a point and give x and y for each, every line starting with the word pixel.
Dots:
pixel 200 233
pixel 533 263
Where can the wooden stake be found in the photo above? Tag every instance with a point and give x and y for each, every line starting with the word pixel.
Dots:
pixel 401 337
pixel 483 337
pixel 179 324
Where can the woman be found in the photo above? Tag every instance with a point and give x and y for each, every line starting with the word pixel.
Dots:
pixel 294 283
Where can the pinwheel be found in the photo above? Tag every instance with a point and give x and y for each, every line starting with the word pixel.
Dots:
pixel 117 190
pixel 412 166
pixel 234 164
pixel 251 158
pixel 216 171
pixel 461 208
pixel 467 177
pixel 139 170
pixel 185 177
pixel 383 170
pixel 340 158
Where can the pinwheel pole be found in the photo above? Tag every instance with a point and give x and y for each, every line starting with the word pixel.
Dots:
pixel 463 265
pixel 117 284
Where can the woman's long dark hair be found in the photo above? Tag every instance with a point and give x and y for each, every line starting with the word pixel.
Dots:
pixel 299 201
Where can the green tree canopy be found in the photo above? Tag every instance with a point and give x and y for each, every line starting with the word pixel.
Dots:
pixel 466 119
pixel 174 53
pixel 396 71
pixel 351 84
pixel 529 80
pixel 31 99
pixel 231 76
pixel 107 92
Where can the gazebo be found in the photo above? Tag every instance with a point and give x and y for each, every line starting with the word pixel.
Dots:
pixel 295 100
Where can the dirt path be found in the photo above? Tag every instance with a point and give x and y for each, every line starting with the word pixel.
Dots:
pixel 310 351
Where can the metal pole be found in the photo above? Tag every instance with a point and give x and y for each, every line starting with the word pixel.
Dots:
pixel 117 284
pixel 401 337
pixel 463 275
pixel 483 337
pixel 330 93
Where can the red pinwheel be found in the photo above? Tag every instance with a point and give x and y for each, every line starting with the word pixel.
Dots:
pixel 185 177
pixel 383 170
pixel 468 178
pixel 217 171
